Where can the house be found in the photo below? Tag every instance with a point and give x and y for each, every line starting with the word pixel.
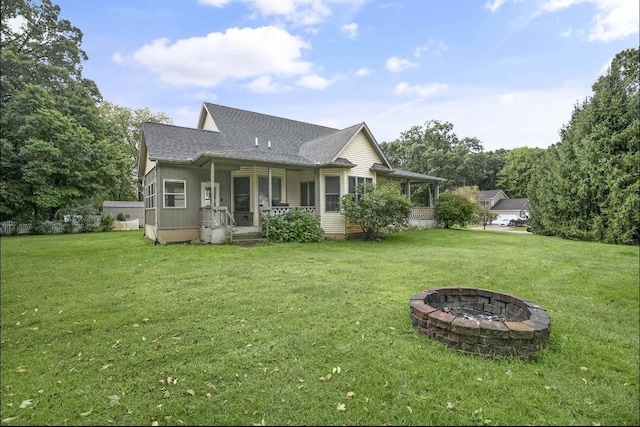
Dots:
pixel 489 198
pixel 237 167
pixel 502 205
pixel 130 210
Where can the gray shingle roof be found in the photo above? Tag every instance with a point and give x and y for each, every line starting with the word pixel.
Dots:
pixel 280 140
pixel 511 205
pixel 488 194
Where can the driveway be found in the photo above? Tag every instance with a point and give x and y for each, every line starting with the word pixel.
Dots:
pixel 494 227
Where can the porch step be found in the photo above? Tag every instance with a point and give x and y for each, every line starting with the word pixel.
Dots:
pixel 247 239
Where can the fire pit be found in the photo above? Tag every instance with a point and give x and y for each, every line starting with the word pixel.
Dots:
pixel 481 322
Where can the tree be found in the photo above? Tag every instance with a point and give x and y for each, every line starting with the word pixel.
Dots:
pixel 434 149
pixel 520 165
pixel 455 209
pixel 587 187
pixel 378 207
pixel 123 130
pixel 49 160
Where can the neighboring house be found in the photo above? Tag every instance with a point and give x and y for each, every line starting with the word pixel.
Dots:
pixel 239 166
pixel 502 205
pixel 517 207
pixel 130 210
pixel 490 197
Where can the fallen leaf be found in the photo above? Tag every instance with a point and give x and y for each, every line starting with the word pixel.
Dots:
pixel 349 395
pixel 154 423
pixel 451 405
pixel 21 369
pixel 105 367
pixel 409 409
pixel 325 378
pixel 8 420
pixel 191 392
pixel 114 400
pixel 341 407
pixel 26 404
pixel 166 394
pixel 86 414
pixel 584 368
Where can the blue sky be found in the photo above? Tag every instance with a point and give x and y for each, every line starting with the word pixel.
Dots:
pixel 507 72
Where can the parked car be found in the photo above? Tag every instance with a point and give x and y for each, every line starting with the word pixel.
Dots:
pixel 504 220
pixel 518 222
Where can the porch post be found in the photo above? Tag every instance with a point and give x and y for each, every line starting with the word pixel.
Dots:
pixel 409 188
pixel 212 172
pixel 437 193
pixel 270 189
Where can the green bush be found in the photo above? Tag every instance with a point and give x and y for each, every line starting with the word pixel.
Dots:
pixel 377 209
pixel 106 222
pixel 298 225
pixel 455 209
pixel 121 217
pixel 87 218
pixel 41 227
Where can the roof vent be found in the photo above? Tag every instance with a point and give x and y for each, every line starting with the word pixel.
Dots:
pixel 269 144
pixel 256 141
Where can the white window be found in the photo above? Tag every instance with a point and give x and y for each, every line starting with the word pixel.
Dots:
pixel 205 194
pixel 150 196
pixel 356 186
pixel 175 193
pixel 332 193
pixel 308 193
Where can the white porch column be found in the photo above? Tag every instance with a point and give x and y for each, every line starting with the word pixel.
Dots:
pixel 212 173
pixel 270 189
pixel 437 193
pixel 409 189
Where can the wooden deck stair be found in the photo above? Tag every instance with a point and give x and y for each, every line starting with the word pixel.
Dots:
pixel 247 239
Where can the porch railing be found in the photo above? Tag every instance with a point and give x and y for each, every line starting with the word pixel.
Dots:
pixel 216 217
pixel 422 213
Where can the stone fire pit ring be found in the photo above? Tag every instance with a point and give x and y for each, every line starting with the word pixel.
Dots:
pixel 481 322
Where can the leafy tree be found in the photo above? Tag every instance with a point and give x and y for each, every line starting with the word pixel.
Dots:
pixel 123 129
pixel 455 209
pixel 520 165
pixel 434 149
pixel 378 207
pixel 587 187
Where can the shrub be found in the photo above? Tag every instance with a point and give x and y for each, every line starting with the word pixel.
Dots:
pixel 41 227
pixel 106 222
pixel 378 208
pixel 298 225
pixel 87 218
pixel 121 217
pixel 455 209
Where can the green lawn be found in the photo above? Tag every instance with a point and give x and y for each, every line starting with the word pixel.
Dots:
pixel 108 329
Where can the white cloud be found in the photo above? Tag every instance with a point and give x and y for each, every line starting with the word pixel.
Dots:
pixel 363 72
pixel 567 33
pixel 118 58
pixel 435 46
pixel 494 5
pixel 351 30
pixel 263 85
pixel 615 19
pixel 314 81
pixel 238 53
pixel 403 88
pixel 396 64
pixel 298 12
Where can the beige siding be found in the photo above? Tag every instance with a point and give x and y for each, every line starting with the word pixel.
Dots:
pixel 149 165
pixel 293 188
pixel 361 153
pixel 209 124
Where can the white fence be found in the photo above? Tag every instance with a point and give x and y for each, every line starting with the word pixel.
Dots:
pixel 52 227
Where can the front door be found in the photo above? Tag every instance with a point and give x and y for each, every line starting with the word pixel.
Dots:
pixel 205 194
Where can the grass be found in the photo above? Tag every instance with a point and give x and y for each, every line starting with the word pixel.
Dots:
pixel 108 329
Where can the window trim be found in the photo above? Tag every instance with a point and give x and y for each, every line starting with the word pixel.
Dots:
pixel 165 193
pixel 150 195
pixel 359 180
pixel 327 194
